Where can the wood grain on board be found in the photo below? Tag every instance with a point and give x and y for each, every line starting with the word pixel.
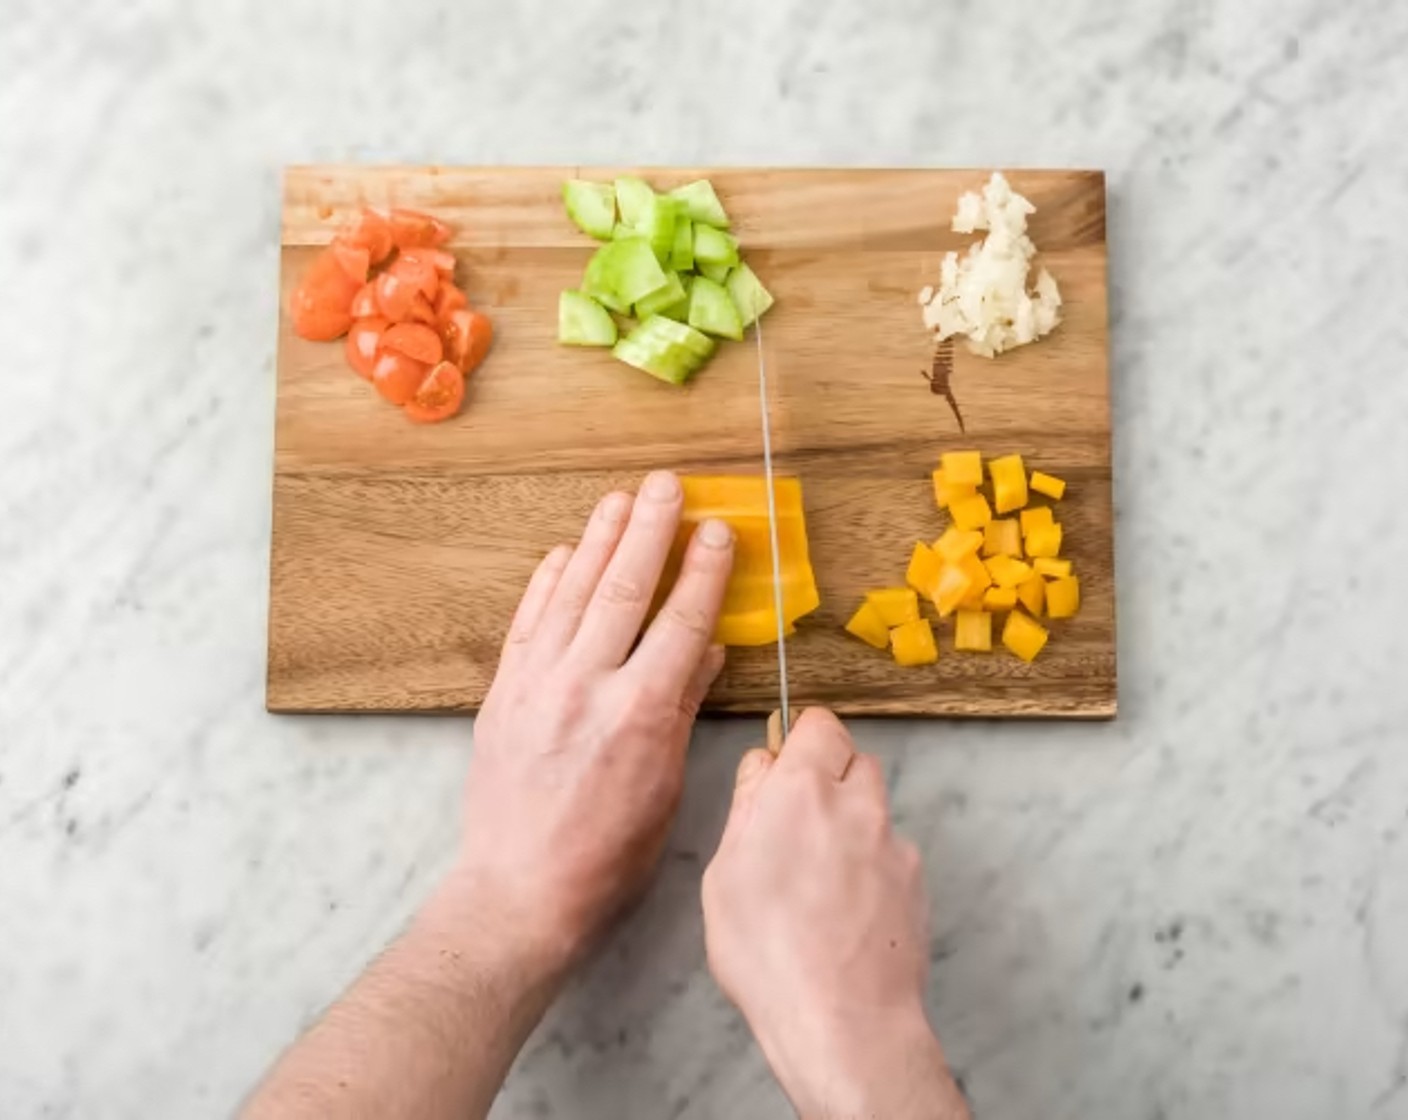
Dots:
pixel 399 551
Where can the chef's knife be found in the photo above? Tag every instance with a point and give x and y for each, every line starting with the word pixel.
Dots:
pixel 780 726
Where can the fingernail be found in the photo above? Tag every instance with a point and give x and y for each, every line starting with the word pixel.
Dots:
pixel 660 486
pixel 716 534
pixel 615 507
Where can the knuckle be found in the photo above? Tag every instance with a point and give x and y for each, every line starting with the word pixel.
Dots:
pixel 688 617
pixel 621 591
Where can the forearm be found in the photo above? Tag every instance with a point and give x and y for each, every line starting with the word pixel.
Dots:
pixel 892 1068
pixel 430 1029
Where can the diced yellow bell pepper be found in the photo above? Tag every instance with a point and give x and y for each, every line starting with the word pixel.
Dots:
pixel 1024 636
pixel 957 543
pixel 946 492
pixel 867 625
pixel 1032 593
pixel 973 631
pixel 924 565
pixel 1009 483
pixel 978 581
pixel 1002 537
pixel 913 643
pixel 962 468
pixel 1036 518
pixel 1054 569
pixel 896 605
pixel 1044 541
pixel 748 615
pixel 999 598
pixel 951 589
pixel 971 513
pixel 1053 487
pixel 1063 597
pixel 1008 572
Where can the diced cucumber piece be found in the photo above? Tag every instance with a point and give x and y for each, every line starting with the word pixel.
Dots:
pixel 711 309
pixel 665 349
pixel 718 273
pixel 749 295
pixel 581 321
pixel 658 330
pixel 620 230
pixel 661 364
pixel 713 246
pixel 672 293
pixel 658 226
pixel 682 250
pixel 591 205
pixel 623 272
pixel 701 203
pixel 632 197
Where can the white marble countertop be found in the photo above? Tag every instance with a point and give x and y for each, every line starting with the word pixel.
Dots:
pixel 1197 911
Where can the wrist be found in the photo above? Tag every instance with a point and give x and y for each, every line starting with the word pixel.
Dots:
pixel 867 1064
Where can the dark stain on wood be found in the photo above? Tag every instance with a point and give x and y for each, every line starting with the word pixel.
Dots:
pixel 940 379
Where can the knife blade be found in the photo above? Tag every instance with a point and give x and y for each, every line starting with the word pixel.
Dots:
pixel 785 723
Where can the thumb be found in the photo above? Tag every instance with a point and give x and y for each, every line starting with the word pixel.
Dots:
pixel 753 767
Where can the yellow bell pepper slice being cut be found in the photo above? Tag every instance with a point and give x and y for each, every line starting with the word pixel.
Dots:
pixel 749 614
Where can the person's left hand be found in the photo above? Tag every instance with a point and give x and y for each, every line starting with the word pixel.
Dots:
pixel 579 750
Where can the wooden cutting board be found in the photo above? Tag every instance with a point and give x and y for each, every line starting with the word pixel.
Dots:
pixel 399 551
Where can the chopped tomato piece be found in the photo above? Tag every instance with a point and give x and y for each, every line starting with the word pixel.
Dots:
pixel 419 272
pixel 443 262
pixel 395 296
pixel 397 377
pixel 355 260
pixel 320 305
pixel 373 233
pixel 414 340
pixel 450 299
pixel 439 396
pixel 441 232
pixel 411 229
pixel 468 336
pixel 422 311
pixel 364 305
pixel 364 343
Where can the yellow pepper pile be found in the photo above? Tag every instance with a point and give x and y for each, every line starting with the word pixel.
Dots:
pixel 983 564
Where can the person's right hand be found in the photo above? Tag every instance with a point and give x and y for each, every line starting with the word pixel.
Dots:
pixel 816 927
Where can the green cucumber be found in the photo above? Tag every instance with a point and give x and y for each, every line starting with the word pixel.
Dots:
pixel 655 303
pixel 623 272
pixel 581 321
pixel 591 205
pixel 711 309
pixel 749 295
pixel 701 203
pixel 713 246
pixel 620 231
pixel 660 331
pixel 658 226
pixel 682 250
pixel 662 364
pixel 633 197
pixel 665 349
pixel 718 273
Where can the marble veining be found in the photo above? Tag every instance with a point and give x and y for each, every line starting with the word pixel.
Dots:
pixel 1197 911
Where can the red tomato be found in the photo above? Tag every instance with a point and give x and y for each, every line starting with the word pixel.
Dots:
pixel 397 377
pixel 364 305
pixel 414 340
pixel 419 272
pixel 411 229
pixel 441 261
pixel 439 396
pixel 320 305
pixel 395 296
pixel 423 312
pixel 450 299
pixel 373 233
pixel 355 260
pixel 468 336
pixel 441 232
pixel 363 344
